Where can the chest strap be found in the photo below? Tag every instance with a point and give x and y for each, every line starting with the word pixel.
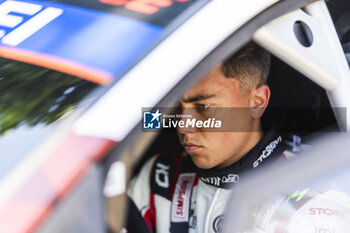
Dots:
pixel 173 177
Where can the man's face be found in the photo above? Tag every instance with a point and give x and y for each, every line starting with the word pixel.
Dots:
pixel 219 149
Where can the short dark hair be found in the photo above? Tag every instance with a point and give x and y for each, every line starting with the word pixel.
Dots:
pixel 250 65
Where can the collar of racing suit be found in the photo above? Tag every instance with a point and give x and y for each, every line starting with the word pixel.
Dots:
pixel 268 149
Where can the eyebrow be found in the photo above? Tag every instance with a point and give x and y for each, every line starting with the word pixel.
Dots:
pixel 197 98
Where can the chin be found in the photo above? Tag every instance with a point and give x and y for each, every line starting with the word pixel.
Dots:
pixel 201 163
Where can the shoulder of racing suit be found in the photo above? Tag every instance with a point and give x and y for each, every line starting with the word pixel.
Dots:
pixel 153 188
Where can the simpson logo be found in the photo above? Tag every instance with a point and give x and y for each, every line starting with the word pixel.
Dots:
pixel 151 120
pixel 267 151
pixel 182 196
pixel 24 28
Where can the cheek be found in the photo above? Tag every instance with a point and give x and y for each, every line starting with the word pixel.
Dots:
pixel 219 147
pixel 236 120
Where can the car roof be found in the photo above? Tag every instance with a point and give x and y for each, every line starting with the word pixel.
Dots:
pixel 89 39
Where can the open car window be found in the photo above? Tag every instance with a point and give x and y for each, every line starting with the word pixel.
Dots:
pixel 33 101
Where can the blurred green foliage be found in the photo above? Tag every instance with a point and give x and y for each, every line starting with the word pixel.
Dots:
pixel 31 95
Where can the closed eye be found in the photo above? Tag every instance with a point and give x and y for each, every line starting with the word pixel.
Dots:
pixel 202 107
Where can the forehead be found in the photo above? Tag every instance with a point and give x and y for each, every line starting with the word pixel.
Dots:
pixel 213 83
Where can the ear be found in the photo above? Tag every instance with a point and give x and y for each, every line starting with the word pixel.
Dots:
pixel 259 99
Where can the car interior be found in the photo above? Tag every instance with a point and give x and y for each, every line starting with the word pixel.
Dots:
pixel 299 105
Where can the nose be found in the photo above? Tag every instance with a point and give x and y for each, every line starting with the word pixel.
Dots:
pixel 187 116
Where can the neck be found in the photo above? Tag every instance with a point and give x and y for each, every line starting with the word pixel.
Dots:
pixel 268 149
pixel 252 138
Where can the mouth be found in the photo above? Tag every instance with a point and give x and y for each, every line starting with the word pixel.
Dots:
pixel 190 147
